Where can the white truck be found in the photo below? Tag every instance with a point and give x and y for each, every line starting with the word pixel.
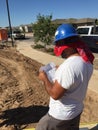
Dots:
pixel 90 35
pixel 17 34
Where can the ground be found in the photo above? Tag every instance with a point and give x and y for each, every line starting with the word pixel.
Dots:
pixel 23 99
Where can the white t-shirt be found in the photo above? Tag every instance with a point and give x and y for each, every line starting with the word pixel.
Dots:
pixel 73 74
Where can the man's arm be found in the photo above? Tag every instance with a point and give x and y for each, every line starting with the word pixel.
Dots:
pixel 55 90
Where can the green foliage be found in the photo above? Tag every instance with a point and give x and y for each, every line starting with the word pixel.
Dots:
pixel 44 30
pixel 38 46
pixel 96 21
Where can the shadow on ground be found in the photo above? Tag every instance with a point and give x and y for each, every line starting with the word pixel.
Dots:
pixel 95 128
pixel 22 115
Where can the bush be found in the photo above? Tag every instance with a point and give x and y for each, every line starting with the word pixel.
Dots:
pixel 38 46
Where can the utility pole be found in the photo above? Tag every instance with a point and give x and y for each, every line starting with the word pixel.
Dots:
pixel 9 21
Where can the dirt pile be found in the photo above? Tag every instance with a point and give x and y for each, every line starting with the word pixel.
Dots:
pixel 23 99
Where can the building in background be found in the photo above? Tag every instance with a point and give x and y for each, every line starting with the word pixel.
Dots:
pixel 76 22
pixel 26 28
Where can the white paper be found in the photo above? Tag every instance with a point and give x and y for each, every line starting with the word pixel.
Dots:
pixel 49 69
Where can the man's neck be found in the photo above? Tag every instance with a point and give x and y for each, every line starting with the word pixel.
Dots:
pixel 69 53
pixel 75 54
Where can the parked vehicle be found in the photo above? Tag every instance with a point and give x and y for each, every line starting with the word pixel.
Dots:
pixel 90 35
pixel 17 34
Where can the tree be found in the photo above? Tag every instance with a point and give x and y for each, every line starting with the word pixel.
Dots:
pixel 44 30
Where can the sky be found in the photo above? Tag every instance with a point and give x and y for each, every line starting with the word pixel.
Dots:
pixel 26 11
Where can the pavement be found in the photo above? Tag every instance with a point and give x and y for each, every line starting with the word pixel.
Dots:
pixel 44 58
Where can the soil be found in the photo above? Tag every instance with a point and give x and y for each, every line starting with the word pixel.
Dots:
pixel 23 99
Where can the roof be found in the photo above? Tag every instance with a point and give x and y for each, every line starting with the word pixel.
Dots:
pixel 74 21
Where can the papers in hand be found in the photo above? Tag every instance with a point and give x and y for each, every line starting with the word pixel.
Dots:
pixel 49 69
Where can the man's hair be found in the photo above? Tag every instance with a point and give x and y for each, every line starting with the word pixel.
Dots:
pixel 67 40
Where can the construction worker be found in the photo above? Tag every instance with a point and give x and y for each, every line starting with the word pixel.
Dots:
pixel 69 86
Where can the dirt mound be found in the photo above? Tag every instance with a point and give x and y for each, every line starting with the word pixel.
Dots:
pixel 23 99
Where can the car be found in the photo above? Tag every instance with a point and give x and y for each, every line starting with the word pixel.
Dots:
pixel 90 35
pixel 17 34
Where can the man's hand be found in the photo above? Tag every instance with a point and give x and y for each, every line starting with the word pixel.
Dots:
pixel 42 76
pixel 55 90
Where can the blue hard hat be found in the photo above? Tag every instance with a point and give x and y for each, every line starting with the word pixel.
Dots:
pixel 65 31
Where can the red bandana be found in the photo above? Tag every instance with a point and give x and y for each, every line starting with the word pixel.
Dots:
pixel 81 47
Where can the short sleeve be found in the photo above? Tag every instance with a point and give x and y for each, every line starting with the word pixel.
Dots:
pixel 65 77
